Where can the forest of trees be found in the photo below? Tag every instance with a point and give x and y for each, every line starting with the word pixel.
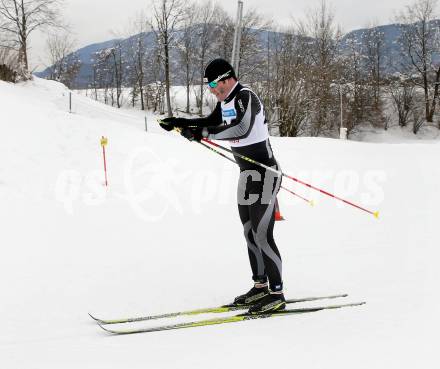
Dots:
pixel 306 80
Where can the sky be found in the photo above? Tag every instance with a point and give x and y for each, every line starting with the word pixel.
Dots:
pixel 97 20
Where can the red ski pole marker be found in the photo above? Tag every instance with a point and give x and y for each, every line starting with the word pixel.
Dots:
pixel 104 142
pixel 374 213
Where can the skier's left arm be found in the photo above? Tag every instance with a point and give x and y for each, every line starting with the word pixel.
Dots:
pixel 247 106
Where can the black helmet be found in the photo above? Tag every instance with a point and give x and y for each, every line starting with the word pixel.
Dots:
pixel 218 70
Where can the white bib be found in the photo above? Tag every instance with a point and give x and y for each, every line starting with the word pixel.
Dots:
pixel 259 131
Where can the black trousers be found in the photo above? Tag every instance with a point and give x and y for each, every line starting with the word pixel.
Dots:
pixel 256 196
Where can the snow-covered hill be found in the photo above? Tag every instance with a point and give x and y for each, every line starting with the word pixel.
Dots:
pixel 155 241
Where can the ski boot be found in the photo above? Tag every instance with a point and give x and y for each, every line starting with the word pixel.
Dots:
pixel 254 295
pixel 274 301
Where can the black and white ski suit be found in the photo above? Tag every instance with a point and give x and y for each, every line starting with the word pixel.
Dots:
pixel 240 120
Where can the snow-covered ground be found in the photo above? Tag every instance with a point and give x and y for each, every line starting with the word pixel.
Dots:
pixel 155 241
pixel 396 134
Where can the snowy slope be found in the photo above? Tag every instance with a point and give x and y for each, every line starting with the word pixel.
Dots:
pixel 151 243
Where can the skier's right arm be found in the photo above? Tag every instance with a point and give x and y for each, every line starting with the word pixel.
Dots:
pixel 213 119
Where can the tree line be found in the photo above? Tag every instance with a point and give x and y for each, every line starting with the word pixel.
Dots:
pixel 309 84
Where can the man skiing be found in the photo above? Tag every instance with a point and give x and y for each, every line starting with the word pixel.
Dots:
pixel 239 118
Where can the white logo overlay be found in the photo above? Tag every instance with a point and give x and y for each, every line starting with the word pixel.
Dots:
pixel 155 188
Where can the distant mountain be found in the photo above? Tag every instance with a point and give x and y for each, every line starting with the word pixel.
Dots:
pixel 87 54
pixel 391 34
pixel 391 48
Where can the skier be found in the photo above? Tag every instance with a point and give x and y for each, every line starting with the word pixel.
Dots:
pixel 239 118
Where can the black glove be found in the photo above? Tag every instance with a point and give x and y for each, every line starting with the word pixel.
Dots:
pixel 168 124
pixel 192 133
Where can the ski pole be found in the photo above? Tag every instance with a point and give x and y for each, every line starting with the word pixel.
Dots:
pixel 104 142
pixel 311 202
pixel 375 213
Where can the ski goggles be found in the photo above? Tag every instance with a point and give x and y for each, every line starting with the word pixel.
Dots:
pixel 214 83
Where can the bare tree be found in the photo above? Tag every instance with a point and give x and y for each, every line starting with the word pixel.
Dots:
pixel 251 64
pixel 374 50
pixel 167 15
pixel 137 58
pixel 374 53
pixel 323 37
pixel 225 28
pixel 292 87
pixel 64 62
pixel 356 89
pixel 402 94
pixel 19 18
pixel 419 44
pixel 205 39
pixel 102 74
pixel 157 88
pixel 118 62
pixel 187 47
pixel 108 74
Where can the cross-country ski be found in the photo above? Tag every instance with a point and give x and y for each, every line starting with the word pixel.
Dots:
pixel 225 320
pixel 218 309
